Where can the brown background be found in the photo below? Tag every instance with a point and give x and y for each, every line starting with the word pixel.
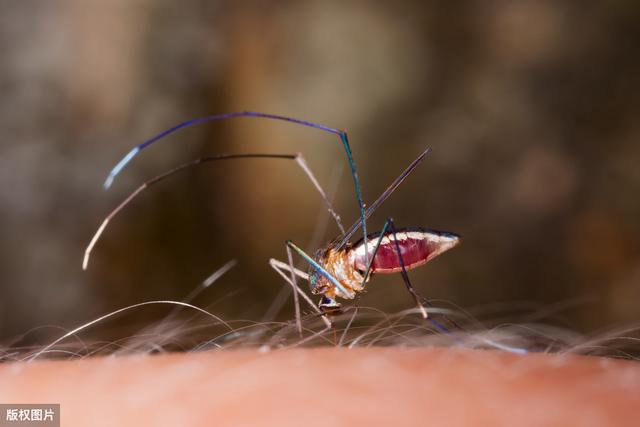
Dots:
pixel 531 108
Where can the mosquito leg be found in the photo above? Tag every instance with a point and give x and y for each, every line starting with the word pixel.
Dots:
pixel 274 263
pixel 325 301
pixel 417 298
pixel 346 329
pixel 364 281
pixel 296 300
pixel 356 183
pixel 344 139
pixel 384 196
pixel 375 251
pixel 303 165
pixel 280 268
pixel 389 224
pixel 297 157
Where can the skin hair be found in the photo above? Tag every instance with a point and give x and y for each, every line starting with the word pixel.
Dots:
pixel 332 386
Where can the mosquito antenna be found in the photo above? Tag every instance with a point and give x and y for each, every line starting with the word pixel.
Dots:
pixel 341 133
pixel 375 205
pixel 145 185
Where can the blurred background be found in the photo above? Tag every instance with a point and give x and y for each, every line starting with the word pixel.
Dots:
pixel 531 108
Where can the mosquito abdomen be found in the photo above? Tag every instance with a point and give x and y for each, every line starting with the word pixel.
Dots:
pixel 417 247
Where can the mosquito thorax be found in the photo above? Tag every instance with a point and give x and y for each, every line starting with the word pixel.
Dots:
pixel 338 263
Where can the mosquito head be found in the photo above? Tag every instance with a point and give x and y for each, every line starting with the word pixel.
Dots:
pixel 329 305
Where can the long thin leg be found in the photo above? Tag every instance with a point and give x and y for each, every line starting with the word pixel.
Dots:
pixel 375 251
pixel 296 301
pixel 135 150
pixel 279 266
pixel 405 275
pixel 365 278
pixel 282 265
pixel 344 139
pixel 346 329
pixel 389 224
pixel 297 157
pixel 417 297
pixel 375 205
pixel 318 268
pixel 303 164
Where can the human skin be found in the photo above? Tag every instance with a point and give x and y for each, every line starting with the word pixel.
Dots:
pixel 332 386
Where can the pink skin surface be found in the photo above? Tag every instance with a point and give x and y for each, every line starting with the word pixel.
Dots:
pixel 332 387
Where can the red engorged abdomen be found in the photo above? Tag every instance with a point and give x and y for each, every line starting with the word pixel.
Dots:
pixel 414 247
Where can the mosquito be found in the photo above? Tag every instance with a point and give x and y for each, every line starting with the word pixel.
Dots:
pixel 340 269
